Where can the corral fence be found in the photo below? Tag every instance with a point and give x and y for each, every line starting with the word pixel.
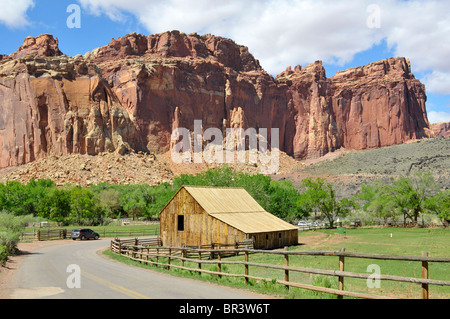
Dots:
pixel 53 234
pixel 153 244
pixel 115 233
pixel 44 234
pixel 150 252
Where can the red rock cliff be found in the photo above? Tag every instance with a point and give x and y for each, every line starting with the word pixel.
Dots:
pixel 133 92
pixel 441 129
pixel 51 104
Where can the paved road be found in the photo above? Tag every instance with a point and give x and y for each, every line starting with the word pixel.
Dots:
pixel 44 274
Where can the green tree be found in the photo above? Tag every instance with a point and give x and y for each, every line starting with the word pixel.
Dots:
pixel 374 199
pixel 408 195
pixel 320 196
pixel 12 196
pixel 283 198
pixel 36 191
pixel 137 200
pixel 55 205
pixel 110 200
pixel 85 207
pixel 21 199
pixel 439 204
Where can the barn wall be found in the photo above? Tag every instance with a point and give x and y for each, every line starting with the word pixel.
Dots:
pixel 276 239
pixel 199 227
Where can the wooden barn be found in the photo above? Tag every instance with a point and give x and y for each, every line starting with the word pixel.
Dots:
pixel 198 215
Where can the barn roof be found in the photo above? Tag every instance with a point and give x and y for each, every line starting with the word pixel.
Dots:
pixel 235 207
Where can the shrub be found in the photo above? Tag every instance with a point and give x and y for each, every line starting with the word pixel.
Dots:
pixel 9 240
pixel 3 255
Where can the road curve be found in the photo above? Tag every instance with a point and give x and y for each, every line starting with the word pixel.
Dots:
pixel 49 274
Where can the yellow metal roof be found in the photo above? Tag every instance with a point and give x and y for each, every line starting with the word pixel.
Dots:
pixel 235 207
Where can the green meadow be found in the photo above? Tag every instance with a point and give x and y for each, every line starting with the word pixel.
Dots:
pixel 386 241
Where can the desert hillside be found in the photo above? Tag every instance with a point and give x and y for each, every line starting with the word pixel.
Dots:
pixel 348 170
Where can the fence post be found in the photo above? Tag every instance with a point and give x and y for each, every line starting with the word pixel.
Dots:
pixel 341 268
pixel 39 235
pixel 200 259
pixel 170 253
pixel 219 264
pixel 157 257
pixel 183 255
pixel 246 267
pixel 425 292
pixel 286 263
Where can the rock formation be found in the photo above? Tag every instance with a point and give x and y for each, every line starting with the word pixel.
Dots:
pixel 54 104
pixel 441 129
pixel 132 93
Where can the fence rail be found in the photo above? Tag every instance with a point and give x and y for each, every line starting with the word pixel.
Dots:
pixel 51 234
pixel 136 249
pixel 44 234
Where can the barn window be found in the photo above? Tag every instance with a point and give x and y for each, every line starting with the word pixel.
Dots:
pixel 180 222
pixel 279 235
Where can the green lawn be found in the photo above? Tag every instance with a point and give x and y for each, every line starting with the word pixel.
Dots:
pixel 408 242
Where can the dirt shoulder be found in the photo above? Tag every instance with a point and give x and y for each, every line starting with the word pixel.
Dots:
pixel 9 270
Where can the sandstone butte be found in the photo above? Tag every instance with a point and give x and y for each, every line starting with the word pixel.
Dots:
pixel 130 94
pixel 441 129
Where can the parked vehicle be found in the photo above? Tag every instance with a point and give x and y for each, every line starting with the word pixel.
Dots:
pixel 83 234
pixel 304 224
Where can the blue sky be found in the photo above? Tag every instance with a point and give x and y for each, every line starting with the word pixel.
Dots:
pixel 279 33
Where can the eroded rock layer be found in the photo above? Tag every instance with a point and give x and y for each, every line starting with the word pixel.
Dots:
pixel 132 93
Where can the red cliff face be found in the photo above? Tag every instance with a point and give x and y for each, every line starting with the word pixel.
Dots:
pixel 132 93
pixel 57 105
pixel 378 105
pixel 441 129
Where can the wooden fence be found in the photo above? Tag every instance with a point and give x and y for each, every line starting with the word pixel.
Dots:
pixel 44 234
pixel 114 233
pixel 151 254
pixel 52 234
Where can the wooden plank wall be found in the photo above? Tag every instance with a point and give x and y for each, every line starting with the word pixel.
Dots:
pixel 199 227
pixel 277 239
pixel 202 229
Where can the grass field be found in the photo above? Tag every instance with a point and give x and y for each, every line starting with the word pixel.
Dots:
pixel 392 241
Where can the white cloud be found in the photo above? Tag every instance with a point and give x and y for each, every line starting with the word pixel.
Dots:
pixel 438 117
pixel 13 13
pixel 288 32
pixel 278 32
pixel 437 82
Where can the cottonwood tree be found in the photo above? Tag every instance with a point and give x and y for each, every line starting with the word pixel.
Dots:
pixel 440 205
pixel 406 197
pixel 320 195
